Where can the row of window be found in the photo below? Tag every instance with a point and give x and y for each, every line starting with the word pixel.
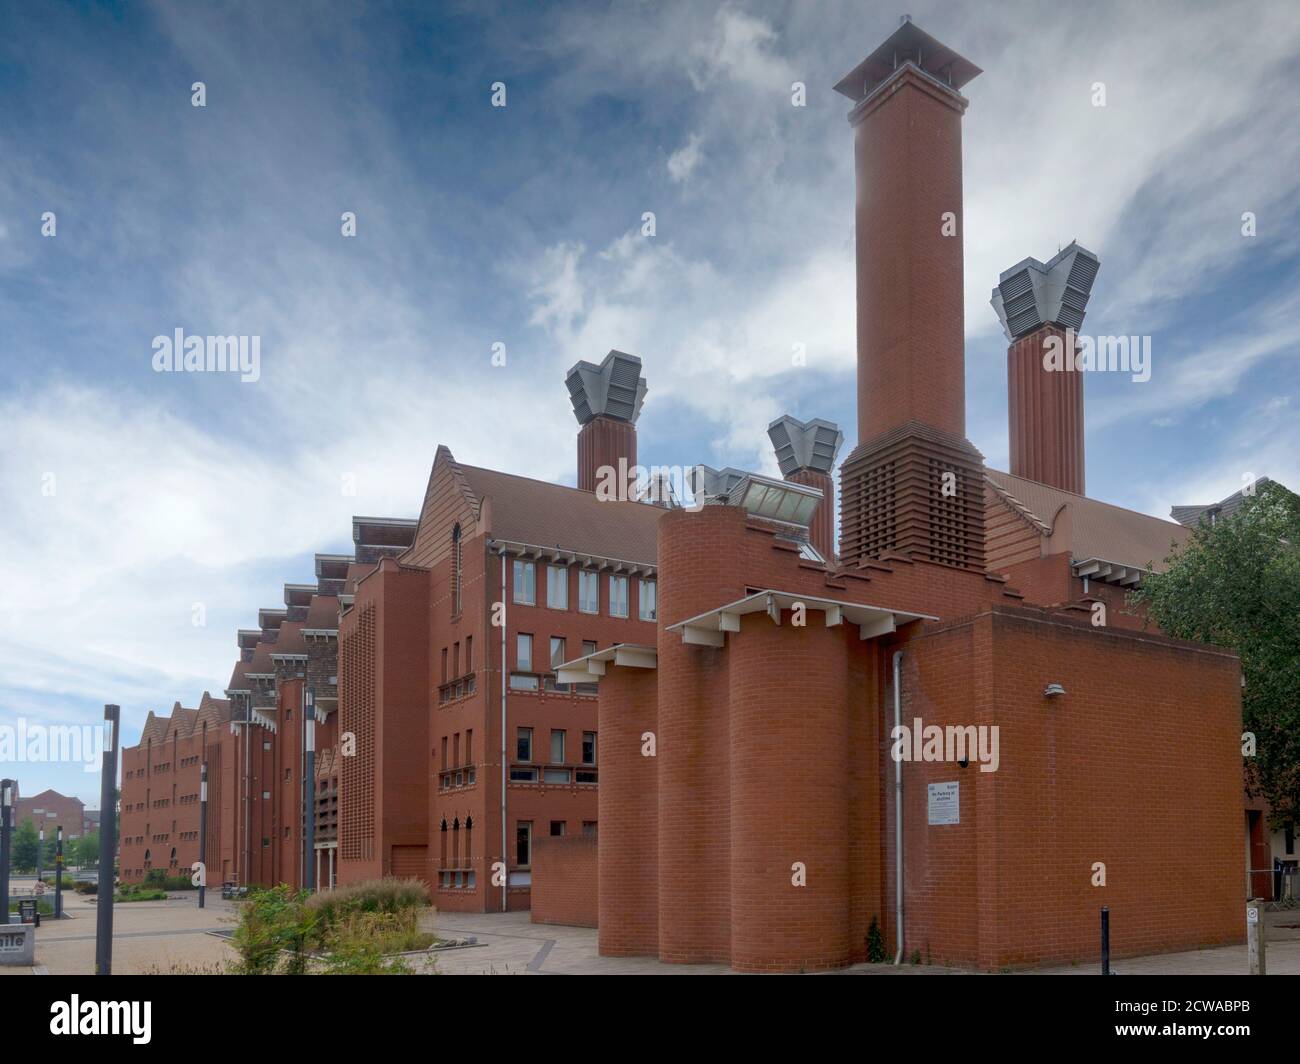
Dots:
pixel 524 746
pixel 557 590
pixel 559 651
pixel 456 671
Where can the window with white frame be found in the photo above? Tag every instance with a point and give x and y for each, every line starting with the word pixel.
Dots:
pixel 557 587
pixel 525 583
pixel 523 744
pixel 524 652
pixel 557 651
pixel 588 591
pixel 617 596
pixel 557 746
pixel 646 602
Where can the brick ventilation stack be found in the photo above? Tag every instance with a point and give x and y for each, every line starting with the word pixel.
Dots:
pixel 606 401
pixel 911 377
pixel 806 453
pixel 1037 302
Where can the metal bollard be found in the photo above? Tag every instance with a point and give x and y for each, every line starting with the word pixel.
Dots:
pixel 1105 940
pixel 1255 937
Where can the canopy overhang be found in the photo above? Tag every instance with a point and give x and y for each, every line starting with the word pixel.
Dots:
pixel 591 667
pixel 710 629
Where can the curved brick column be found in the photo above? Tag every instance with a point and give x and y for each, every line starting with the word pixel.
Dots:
pixel 629 811
pixel 693 738
pixel 790 793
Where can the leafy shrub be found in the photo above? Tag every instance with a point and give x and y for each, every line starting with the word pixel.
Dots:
pixel 875 943
pixel 359 941
pixel 373 896
pixel 275 932
pixel 139 892
pixel 86 886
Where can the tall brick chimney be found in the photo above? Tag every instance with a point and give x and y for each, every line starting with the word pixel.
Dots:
pixel 806 452
pixel 606 401
pixel 914 483
pixel 1036 304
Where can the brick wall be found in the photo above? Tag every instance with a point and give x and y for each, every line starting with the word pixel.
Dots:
pixel 564 889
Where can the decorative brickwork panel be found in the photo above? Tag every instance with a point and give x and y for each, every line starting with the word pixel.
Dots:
pixel 357 716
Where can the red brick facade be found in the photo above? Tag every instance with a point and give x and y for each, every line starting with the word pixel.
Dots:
pixel 741 778
pixel 564 889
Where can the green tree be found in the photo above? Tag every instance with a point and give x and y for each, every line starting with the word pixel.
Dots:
pixel 23 852
pixel 1236 583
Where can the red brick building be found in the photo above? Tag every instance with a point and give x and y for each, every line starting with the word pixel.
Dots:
pixel 683 724
pixel 49 809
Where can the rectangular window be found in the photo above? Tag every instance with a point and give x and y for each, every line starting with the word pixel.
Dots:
pixel 523 775
pixel 555 775
pixel 589 748
pixel 557 746
pixel 588 591
pixel 444 665
pixel 469 653
pixel 557 587
pixel 523 683
pixel 455 749
pixel 469 746
pixel 525 583
pixel 524 652
pixel 646 600
pixel 455 660
pixel 557 651
pixel 588 647
pixel 524 744
pixel 557 829
pixel 444 753
pixel 589 827
pixel 524 843
pixel 618 596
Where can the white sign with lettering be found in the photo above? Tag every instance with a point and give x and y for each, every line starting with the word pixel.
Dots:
pixel 945 803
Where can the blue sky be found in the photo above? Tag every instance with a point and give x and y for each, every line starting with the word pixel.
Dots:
pixel 521 225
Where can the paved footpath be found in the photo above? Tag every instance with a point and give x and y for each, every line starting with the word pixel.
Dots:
pixel 174 936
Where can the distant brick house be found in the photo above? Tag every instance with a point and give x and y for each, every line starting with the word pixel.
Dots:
pixel 49 809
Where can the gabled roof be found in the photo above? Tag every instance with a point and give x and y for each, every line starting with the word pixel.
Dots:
pixel 238 681
pixel 552 515
pixel 212 711
pixel 182 722
pixel 262 663
pixel 290 640
pixel 49 793
pixel 1088 528
pixel 155 728
pixel 322 615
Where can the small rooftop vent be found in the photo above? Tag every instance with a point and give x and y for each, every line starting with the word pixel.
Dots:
pixel 614 389
pixel 1032 294
pixel 805 444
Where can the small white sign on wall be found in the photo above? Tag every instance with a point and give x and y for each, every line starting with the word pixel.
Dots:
pixel 945 803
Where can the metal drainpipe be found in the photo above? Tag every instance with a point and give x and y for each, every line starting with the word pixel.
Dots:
pixel 898 808
pixel 505 859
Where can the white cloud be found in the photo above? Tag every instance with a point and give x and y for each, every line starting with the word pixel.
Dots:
pixel 682 162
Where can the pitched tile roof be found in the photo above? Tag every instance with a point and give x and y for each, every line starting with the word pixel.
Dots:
pixel 1090 528
pixel 322 614
pixel 552 515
